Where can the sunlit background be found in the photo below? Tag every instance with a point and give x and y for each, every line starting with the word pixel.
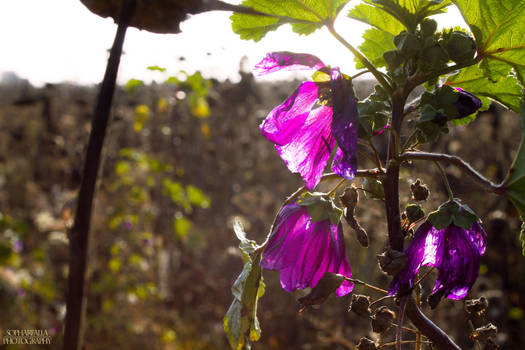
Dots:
pixel 62 41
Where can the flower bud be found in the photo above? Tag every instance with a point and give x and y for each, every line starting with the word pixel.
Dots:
pixel 366 344
pixel 475 306
pixel 460 47
pixel 391 261
pixel 408 44
pixel 382 319
pixel 466 104
pixel 485 333
pixel 393 59
pixel 414 212
pixel 419 190
pixel 428 27
pixel 360 305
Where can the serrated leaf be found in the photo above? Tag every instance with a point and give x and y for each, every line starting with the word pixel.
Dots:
pixel 378 18
pixel 499 30
pixel 505 91
pixel 410 12
pixel 305 16
pixel 376 42
pixel 514 183
pixel 240 322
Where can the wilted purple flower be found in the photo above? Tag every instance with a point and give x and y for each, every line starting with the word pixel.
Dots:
pixel 304 250
pixel 317 117
pixel 454 251
pixel 467 103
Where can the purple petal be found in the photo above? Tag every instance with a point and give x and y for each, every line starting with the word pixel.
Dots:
pixel 454 251
pixel 304 251
pixel 301 135
pixel 467 103
pixel 461 259
pixel 345 123
pixel 285 60
pixel 423 248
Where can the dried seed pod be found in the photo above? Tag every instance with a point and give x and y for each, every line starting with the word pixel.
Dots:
pixel 475 306
pixel 366 344
pixel 391 261
pixel 382 319
pixel 360 305
pixel 420 191
pixel 491 345
pixel 349 199
pixel 488 331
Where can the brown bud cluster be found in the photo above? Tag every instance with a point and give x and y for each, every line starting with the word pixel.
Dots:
pixel 382 319
pixel 349 199
pixel 366 344
pixel 360 305
pixel 485 333
pixel 391 261
pixel 420 191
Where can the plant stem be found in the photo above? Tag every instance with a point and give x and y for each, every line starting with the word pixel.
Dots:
pixel 445 180
pixel 79 234
pixel 356 281
pixel 332 192
pixel 381 299
pixel 380 78
pixel 458 162
pixel 440 339
pixel 424 276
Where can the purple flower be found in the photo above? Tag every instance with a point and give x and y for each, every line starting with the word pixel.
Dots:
pixel 467 103
pixel 304 250
pixel 454 251
pixel 317 117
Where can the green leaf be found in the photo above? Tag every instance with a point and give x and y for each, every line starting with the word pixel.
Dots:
pixel 132 85
pixel 453 212
pixel 305 16
pixel 182 226
pixel 376 42
pixel 408 12
pixel 499 30
pixel 156 68
pixel 505 91
pixel 240 322
pixel 514 183
pixel 378 18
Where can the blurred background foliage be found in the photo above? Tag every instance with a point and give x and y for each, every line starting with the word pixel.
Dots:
pixel 183 160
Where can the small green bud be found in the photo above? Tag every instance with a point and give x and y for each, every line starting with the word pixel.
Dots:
pixel 414 212
pixel 408 44
pixel 460 47
pixel 428 27
pixel 393 59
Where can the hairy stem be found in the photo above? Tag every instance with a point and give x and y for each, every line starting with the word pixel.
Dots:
pixel 439 338
pixel 445 181
pixel 395 235
pixel 458 162
pixel 377 74
pixel 79 234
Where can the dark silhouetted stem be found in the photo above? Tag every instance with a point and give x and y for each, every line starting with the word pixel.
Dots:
pixel 79 234
pixel 459 163
pixel 395 236
pixel 439 338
